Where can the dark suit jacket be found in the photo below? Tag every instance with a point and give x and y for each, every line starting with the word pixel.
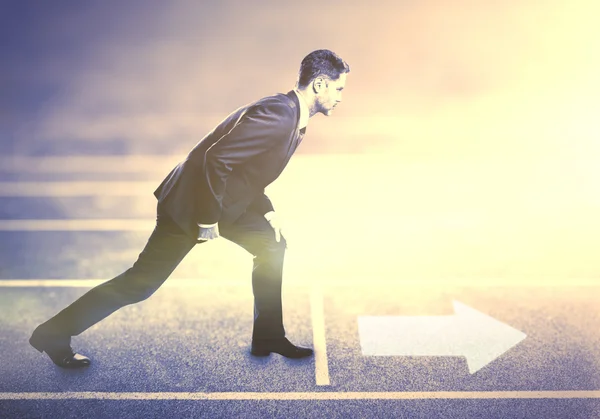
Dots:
pixel 228 170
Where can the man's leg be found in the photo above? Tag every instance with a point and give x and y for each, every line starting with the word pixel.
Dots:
pixel 254 233
pixel 165 249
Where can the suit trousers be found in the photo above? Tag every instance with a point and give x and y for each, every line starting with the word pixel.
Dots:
pixel 167 246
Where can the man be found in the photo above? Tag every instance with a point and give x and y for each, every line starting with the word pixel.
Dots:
pixel 218 190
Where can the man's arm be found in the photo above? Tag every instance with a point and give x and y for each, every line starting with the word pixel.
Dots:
pixel 258 130
pixel 261 204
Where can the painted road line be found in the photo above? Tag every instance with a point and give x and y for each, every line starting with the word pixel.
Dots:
pixel 89 164
pixel 215 281
pixel 319 339
pixel 323 395
pixel 121 224
pixel 77 188
pixel 516 282
pixel 476 336
pixel 154 163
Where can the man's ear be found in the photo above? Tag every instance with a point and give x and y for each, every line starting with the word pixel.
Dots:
pixel 319 84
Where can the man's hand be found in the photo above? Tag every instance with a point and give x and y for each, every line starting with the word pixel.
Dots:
pixel 275 222
pixel 207 233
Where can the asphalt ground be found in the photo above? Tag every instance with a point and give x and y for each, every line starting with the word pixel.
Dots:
pixel 185 351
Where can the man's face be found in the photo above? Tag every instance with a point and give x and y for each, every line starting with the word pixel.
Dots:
pixel 329 93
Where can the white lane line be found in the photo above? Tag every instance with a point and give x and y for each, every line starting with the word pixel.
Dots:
pixel 323 395
pixel 291 280
pixel 89 164
pixel 319 339
pixel 151 163
pixel 77 188
pixel 78 225
pixel 216 281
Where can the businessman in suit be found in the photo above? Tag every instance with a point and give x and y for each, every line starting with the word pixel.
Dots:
pixel 218 190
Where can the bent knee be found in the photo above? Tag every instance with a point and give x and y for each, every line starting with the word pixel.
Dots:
pixel 272 249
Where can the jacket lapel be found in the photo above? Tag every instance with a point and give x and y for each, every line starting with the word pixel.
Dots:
pixel 296 135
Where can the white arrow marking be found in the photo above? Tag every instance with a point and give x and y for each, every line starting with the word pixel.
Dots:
pixel 469 333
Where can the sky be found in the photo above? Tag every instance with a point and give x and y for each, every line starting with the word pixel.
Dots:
pixel 429 79
pixel 499 101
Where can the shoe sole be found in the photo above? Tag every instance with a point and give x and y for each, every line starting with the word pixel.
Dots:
pixel 267 353
pixel 260 352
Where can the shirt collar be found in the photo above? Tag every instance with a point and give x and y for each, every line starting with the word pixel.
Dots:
pixel 304 111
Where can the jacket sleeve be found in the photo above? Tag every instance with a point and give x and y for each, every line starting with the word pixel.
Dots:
pixel 256 132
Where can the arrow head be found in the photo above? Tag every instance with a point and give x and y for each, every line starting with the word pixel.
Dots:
pixel 483 338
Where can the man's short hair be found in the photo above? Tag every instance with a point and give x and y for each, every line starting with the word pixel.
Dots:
pixel 321 62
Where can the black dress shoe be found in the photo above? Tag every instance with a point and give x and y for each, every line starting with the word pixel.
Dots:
pixel 58 349
pixel 281 346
